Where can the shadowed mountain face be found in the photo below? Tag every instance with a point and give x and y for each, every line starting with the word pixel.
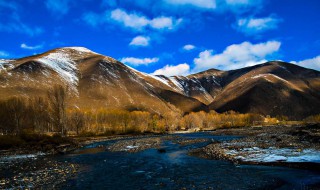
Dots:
pixel 95 81
pixel 273 88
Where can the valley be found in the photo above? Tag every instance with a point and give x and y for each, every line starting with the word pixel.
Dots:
pixel 75 119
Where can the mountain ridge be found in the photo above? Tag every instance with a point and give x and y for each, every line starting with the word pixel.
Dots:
pixel 97 81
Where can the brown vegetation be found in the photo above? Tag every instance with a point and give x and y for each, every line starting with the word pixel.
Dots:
pixel 214 120
pixel 50 114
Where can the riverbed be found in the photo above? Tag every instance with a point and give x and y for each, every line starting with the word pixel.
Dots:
pixel 164 163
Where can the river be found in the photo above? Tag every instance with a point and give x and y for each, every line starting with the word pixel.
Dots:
pixel 175 169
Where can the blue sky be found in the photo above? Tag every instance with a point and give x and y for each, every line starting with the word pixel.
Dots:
pixel 171 37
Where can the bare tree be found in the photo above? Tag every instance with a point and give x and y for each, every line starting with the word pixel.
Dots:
pixel 40 117
pixel 57 99
pixel 16 108
pixel 77 120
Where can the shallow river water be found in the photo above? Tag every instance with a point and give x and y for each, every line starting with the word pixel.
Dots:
pixel 175 169
pixel 172 169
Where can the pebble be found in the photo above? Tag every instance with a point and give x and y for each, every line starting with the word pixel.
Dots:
pixel 32 174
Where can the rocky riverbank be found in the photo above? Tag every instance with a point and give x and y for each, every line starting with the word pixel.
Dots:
pixel 52 145
pixel 135 145
pixel 140 144
pixel 294 146
pixel 34 144
pixel 34 172
pixel 33 167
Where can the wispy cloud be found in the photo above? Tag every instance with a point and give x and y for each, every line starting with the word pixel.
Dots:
pixel 253 26
pixel 171 14
pixel 140 41
pixel 129 20
pixel 173 70
pixel 187 6
pixel 60 7
pixel 139 22
pixel 134 21
pixel 139 61
pixel 188 47
pixel 28 47
pixel 313 63
pixel 164 23
pixel 236 56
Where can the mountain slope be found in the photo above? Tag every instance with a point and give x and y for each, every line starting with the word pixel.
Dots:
pixel 273 88
pixel 96 81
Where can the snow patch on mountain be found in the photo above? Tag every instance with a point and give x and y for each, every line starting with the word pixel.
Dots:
pixel 214 80
pixel 81 50
pixel 269 75
pixel 178 85
pixel 5 64
pixel 160 79
pixel 62 63
pixel 261 76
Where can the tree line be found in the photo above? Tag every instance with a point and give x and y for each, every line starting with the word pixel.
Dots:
pixel 51 114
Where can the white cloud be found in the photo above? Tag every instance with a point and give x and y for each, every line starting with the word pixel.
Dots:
pixel 129 20
pixel 313 63
pixel 236 56
pixel 25 46
pixel 139 61
pixel 173 70
pixel 207 4
pixel 164 23
pixel 188 47
pixel 140 22
pixel 140 41
pixel 257 25
pixel 4 54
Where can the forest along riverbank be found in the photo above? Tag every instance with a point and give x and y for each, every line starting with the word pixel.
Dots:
pixel 293 146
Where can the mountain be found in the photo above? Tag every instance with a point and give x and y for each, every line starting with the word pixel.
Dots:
pixel 274 88
pixel 96 81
